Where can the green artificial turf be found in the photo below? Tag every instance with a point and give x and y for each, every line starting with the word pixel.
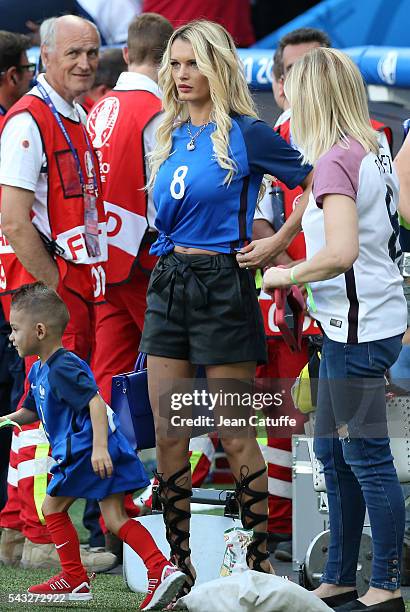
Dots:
pixel 109 592
pixel 76 513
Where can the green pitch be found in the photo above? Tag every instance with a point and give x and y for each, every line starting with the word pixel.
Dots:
pixel 109 592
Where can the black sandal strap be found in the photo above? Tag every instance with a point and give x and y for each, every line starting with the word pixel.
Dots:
pixel 251 519
pixel 170 492
pixel 254 554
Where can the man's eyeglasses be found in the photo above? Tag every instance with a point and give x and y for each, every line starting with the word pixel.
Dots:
pixel 29 67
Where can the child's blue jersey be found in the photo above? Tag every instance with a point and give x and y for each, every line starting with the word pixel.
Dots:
pixel 194 206
pixel 60 392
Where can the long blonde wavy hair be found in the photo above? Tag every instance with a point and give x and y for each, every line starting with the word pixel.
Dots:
pixel 328 100
pixel 217 59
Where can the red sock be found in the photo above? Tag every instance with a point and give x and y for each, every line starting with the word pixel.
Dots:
pixel 140 540
pixel 67 544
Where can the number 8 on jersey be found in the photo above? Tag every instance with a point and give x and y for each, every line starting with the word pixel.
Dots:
pixel 177 187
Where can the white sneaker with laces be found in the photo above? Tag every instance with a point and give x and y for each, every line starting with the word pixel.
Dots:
pixel 164 583
pixel 63 585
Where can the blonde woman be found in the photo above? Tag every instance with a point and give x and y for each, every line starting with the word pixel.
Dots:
pixel 202 309
pixel 351 229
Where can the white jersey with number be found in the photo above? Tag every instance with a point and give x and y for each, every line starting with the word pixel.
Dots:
pixel 366 303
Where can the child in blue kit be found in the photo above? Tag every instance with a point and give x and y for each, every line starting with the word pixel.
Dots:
pixel 93 458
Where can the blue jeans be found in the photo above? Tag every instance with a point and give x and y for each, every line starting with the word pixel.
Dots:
pixel 359 471
pixel 400 371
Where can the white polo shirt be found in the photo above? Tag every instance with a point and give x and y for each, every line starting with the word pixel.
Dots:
pixel 22 159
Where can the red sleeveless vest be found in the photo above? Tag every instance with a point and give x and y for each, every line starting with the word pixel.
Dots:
pixel 64 225
pixel 116 126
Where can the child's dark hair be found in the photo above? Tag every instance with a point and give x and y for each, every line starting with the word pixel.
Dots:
pixel 42 303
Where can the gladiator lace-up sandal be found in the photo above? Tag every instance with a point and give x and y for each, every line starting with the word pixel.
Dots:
pixel 246 498
pixel 169 493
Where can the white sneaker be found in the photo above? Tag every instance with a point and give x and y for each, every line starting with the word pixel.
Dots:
pixel 164 583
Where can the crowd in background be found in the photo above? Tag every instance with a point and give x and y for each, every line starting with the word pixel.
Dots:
pixel 246 20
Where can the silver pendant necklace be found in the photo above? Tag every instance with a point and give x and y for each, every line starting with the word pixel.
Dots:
pixel 191 144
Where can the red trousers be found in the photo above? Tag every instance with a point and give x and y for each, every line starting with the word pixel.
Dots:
pixel 30 459
pixel 282 363
pixel 118 328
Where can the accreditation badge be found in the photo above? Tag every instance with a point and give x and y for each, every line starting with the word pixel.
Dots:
pixel 92 243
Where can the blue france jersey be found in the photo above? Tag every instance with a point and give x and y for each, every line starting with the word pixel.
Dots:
pixel 60 391
pixel 194 206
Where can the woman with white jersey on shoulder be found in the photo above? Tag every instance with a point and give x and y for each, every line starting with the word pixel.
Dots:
pixel 351 228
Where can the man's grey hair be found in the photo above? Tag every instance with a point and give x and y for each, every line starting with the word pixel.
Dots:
pixel 48 31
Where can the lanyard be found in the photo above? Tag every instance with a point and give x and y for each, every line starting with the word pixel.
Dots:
pixel 66 135
pixel 2 111
pixel 91 230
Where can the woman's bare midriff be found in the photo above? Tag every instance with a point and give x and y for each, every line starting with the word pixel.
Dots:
pixel 193 251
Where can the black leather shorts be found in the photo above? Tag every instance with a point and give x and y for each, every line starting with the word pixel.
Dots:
pixel 203 308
